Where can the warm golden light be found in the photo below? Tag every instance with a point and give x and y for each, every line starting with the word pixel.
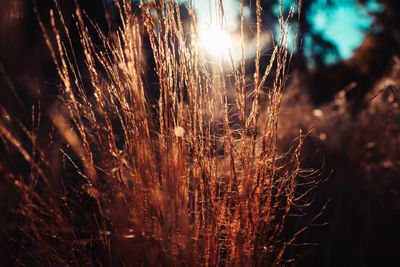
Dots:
pixel 215 41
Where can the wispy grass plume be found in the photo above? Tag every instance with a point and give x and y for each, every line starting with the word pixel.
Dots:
pixel 191 178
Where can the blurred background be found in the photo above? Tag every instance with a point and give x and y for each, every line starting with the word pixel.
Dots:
pixel 343 91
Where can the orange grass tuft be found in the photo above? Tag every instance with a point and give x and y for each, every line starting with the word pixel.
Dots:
pixel 195 180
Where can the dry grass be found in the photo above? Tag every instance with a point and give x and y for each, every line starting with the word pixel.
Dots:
pixel 194 180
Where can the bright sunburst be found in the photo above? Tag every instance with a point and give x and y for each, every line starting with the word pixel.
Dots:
pixel 215 41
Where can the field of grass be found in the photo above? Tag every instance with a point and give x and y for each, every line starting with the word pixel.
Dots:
pixel 154 153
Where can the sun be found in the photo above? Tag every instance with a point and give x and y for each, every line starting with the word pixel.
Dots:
pixel 215 41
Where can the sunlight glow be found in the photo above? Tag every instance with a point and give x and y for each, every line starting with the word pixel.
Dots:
pixel 215 41
pixel 219 41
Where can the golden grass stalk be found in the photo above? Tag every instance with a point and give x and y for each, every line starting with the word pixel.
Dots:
pixel 195 180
